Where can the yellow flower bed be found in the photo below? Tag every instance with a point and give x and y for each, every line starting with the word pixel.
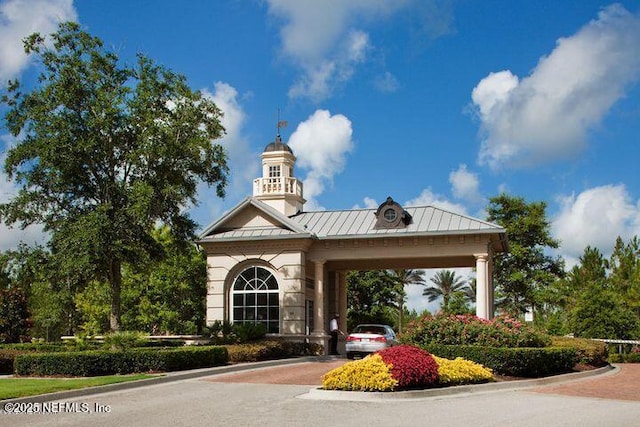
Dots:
pixel 461 371
pixel 368 374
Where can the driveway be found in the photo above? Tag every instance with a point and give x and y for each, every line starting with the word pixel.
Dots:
pixel 232 400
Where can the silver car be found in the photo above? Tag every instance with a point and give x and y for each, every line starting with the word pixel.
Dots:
pixel 369 338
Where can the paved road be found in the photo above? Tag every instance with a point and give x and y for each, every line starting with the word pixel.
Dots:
pixel 205 402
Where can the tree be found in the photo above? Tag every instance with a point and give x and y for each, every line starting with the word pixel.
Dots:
pixel 371 297
pixel 105 153
pixel 14 313
pixel 600 312
pixel 402 278
pixel 561 297
pixel 183 275
pixel 624 266
pixel 445 285
pixel 523 272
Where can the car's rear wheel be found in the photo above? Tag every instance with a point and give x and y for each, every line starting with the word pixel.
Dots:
pixel 350 355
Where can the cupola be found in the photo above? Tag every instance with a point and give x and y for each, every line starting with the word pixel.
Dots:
pixel 278 187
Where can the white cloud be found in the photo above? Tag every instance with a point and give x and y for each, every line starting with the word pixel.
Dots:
pixel 320 39
pixel 547 115
pixel 595 217
pixel 320 144
pixel 429 198
pixel 19 19
pixel 368 203
pixel 386 83
pixel 464 184
pixel 243 163
pixel 320 79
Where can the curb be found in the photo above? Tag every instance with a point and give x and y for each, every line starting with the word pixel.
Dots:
pixel 378 396
pixel 166 378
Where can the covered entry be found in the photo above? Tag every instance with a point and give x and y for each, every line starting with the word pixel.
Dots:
pixel 268 249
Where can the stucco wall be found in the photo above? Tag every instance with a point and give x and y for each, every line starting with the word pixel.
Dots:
pixel 287 266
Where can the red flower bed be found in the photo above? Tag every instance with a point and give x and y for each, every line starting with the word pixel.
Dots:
pixel 412 366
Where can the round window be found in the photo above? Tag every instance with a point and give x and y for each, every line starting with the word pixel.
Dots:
pixel 390 214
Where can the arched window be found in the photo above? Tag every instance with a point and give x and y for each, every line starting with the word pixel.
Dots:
pixel 255 299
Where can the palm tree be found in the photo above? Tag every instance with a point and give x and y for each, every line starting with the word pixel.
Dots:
pixel 402 277
pixel 446 283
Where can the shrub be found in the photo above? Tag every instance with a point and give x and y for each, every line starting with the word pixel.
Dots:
pixel 625 358
pixel 471 330
pixel 461 371
pixel 8 353
pixel 220 332
pixel 589 352
pixel 518 362
pixel 368 374
pixel 267 350
pixel 247 332
pixel 410 366
pixel 123 340
pixel 104 362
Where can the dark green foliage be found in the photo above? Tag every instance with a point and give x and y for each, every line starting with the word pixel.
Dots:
pixel 601 312
pixel 124 340
pixel 518 362
pixel 372 298
pixel 220 332
pixel 14 316
pixel 525 271
pixel 105 153
pixel 103 362
pixel 247 332
pixel 7 356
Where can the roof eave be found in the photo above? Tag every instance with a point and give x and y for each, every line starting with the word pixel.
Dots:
pixel 254 238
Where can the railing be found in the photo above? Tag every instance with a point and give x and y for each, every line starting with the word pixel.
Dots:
pixel 280 185
pixel 624 346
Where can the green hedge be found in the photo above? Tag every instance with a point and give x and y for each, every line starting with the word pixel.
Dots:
pixel 8 352
pixel 624 358
pixel 104 362
pixel 518 362
pixel 590 352
pixel 269 350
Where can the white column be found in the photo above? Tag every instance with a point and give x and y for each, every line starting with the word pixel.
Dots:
pixel 482 287
pixel 491 300
pixel 342 300
pixel 318 303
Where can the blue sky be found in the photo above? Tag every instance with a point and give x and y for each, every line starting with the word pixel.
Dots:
pixel 430 102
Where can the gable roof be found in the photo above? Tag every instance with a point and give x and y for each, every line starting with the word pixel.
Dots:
pixel 344 224
pixel 281 226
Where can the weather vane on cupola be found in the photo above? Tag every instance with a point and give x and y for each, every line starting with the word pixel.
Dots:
pixel 281 124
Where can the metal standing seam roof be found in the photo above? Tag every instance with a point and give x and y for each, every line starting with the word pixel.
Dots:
pixel 355 223
pixel 360 223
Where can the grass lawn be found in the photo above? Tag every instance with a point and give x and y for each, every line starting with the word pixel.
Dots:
pixel 20 387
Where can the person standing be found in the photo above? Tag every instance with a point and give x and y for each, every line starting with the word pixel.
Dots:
pixel 334 329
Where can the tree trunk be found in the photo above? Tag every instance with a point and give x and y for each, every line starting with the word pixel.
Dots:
pixel 115 281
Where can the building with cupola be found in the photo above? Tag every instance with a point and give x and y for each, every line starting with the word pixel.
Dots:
pixel 271 262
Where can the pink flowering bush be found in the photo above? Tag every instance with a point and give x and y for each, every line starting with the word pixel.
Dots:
pixel 411 366
pixel 471 330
